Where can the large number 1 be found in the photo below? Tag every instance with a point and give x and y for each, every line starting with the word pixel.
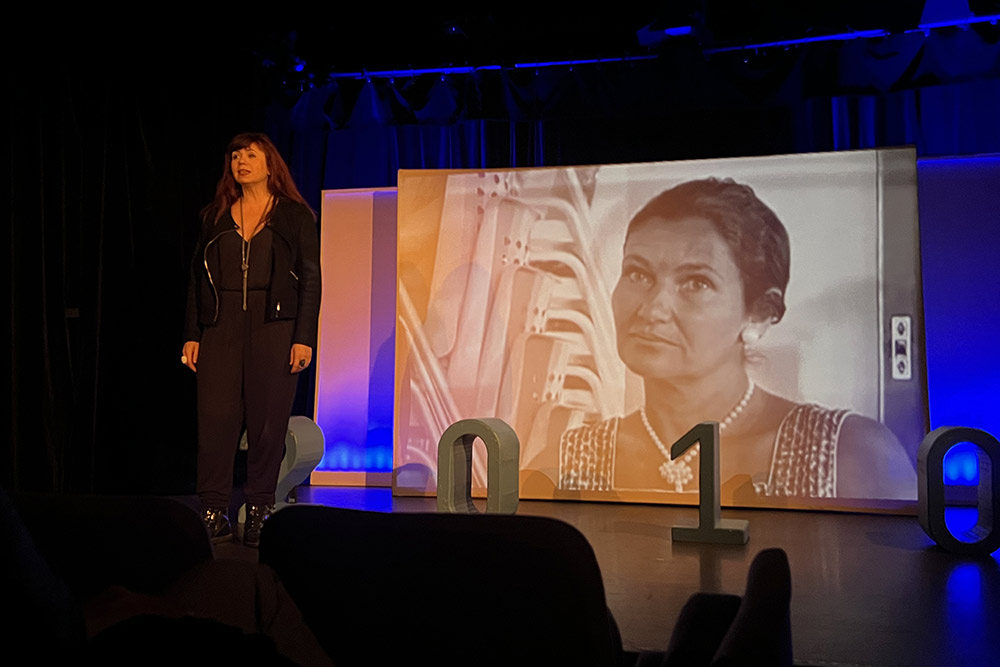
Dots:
pixel 710 527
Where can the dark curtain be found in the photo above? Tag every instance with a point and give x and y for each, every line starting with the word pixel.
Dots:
pixel 111 156
pixel 110 152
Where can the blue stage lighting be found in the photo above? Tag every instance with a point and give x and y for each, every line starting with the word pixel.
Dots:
pixel 965 584
pixel 679 31
pixel 961 465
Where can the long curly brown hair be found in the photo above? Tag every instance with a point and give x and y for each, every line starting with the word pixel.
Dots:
pixel 228 191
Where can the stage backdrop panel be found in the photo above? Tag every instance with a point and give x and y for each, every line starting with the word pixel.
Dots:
pixel 354 359
pixel 518 298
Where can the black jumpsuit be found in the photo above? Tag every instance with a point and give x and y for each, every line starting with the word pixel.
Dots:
pixel 244 377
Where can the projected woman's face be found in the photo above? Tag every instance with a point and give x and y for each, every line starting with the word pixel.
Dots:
pixel 678 305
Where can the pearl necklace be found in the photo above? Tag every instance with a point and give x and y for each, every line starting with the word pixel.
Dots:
pixel 678 471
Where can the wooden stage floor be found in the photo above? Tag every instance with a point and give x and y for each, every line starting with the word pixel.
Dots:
pixel 867 589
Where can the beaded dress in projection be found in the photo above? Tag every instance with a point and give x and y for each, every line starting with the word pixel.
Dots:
pixel 803 461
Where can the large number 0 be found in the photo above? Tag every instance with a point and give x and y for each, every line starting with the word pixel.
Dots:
pixel 983 538
pixel 710 527
pixel 503 451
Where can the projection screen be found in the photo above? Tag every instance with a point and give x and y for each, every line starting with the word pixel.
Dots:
pixel 604 310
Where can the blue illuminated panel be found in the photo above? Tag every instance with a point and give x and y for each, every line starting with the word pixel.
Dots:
pixel 960 231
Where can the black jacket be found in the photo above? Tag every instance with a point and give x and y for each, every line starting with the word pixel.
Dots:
pixel 294 288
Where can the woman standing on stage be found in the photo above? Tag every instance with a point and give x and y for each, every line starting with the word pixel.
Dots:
pixel 250 326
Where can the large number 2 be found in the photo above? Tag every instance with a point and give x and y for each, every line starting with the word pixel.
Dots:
pixel 710 527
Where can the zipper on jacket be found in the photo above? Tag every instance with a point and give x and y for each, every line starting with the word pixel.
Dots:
pixel 211 283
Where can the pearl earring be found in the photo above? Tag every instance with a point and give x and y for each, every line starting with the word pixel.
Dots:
pixel 749 337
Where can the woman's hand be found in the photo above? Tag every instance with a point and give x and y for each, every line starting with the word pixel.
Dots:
pixel 301 357
pixel 189 355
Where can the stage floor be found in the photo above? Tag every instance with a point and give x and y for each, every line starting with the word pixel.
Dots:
pixel 867 589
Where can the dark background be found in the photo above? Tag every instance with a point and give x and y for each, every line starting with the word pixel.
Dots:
pixel 116 128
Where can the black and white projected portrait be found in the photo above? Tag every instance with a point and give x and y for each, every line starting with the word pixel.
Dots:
pixel 704 272
pixel 605 311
